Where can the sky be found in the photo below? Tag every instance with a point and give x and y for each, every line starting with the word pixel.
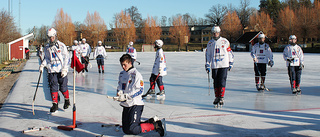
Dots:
pixel 42 12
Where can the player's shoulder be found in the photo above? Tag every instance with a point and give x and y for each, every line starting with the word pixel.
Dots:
pixel 210 41
pixel 61 43
pixel 223 40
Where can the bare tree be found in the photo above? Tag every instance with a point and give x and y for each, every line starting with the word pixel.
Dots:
pixel 216 13
pixel 135 16
pixel 244 12
pixel 164 21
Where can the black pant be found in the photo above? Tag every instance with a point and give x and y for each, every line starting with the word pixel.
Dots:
pixel 131 117
pixel 219 77
pixel 260 69
pixel 100 60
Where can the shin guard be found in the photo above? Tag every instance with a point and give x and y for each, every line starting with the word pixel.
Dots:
pixel 54 96
pixel 66 94
pixel 146 127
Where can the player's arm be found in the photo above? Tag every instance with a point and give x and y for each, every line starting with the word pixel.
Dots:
pixel 137 87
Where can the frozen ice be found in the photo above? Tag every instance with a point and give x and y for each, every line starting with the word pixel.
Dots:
pixel 188 108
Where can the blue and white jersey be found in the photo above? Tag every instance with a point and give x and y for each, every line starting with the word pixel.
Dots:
pixel 219 53
pixel 262 52
pixel 85 49
pixel 56 57
pixel 160 63
pixel 131 82
pixel 294 52
pixel 132 52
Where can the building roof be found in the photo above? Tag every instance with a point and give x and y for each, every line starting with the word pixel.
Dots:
pixel 28 37
pixel 248 37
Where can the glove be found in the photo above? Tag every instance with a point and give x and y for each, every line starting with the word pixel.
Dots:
pixel 301 66
pixel 271 63
pixel 41 68
pixel 123 96
pixel 160 69
pixel 230 66
pixel 207 66
pixel 255 59
pixel 64 72
pixel 290 59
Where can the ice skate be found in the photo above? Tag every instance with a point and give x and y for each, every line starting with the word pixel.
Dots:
pixel 294 90
pixel 99 71
pixel 160 127
pixel 221 102
pixel 262 87
pixel 54 108
pixel 258 87
pixel 298 90
pixel 152 120
pixel 216 101
pixel 151 93
pixel 66 103
pixel 161 95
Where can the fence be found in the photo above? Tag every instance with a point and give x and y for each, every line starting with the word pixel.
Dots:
pixel 4 52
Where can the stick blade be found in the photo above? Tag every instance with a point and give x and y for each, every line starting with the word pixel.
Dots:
pixel 67 128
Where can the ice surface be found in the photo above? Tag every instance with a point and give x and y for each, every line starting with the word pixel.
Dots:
pixel 188 109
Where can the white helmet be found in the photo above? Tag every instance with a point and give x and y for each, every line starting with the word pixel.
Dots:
pixel 75 42
pixel 261 36
pixel 51 32
pixel 84 39
pixel 158 43
pixel 131 43
pixel 215 29
pixel 292 37
pixel 99 42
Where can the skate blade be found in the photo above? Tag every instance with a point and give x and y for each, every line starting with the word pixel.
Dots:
pixel 150 96
pixel 163 121
pixel 53 113
pixel 161 97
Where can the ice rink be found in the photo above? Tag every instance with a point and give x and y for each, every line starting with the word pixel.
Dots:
pixel 187 108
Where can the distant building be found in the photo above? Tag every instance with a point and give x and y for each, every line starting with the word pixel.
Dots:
pixel 17 47
pixel 249 39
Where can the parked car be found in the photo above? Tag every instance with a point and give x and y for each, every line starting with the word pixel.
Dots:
pixel 115 47
pixel 108 47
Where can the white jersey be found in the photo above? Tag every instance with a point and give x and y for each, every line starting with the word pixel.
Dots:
pixel 262 52
pixel 100 50
pixel 56 57
pixel 77 49
pixel 131 82
pixel 294 52
pixel 85 49
pixel 132 52
pixel 219 53
pixel 160 63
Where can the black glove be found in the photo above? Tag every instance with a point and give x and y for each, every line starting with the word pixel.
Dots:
pixel 290 59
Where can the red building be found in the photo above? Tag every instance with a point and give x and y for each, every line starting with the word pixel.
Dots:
pixel 17 47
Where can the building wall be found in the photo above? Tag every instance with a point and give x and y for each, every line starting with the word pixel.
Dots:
pixel 17 50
